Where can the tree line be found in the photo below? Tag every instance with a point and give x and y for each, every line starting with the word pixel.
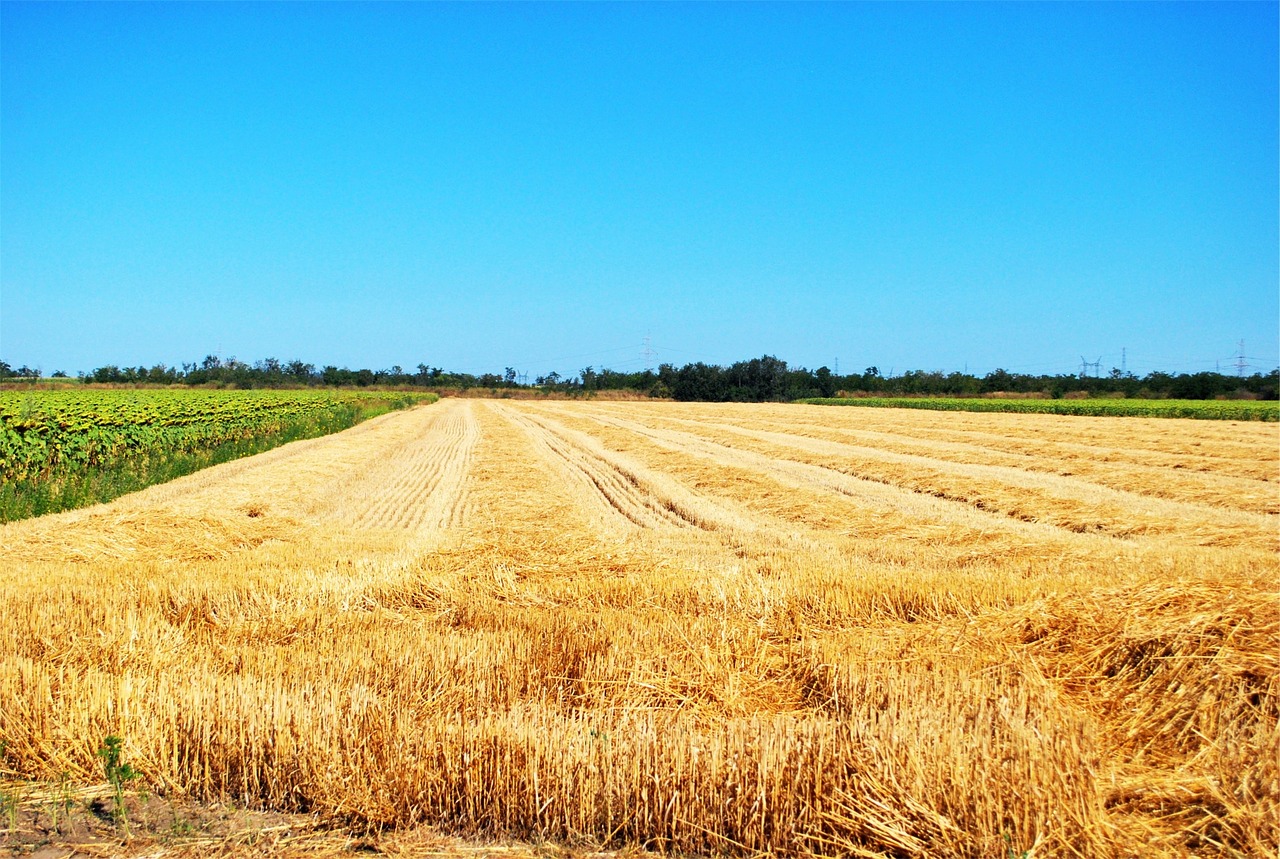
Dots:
pixel 769 379
pixel 764 379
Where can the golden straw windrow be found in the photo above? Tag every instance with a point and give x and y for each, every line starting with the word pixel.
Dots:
pixel 712 629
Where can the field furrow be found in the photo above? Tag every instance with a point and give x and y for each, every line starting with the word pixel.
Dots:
pixel 1226 445
pixel 1175 478
pixel 619 486
pixel 866 532
pixel 1065 502
pixel 891 508
pixel 420 483
pixel 1118 448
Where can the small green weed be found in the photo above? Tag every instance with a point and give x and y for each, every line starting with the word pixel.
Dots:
pixel 1013 853
pixel 9 806
pixel 118 775
pixel 180 827
pixel 64 800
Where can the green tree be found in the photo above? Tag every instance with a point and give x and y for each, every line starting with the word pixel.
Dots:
pixel 826 382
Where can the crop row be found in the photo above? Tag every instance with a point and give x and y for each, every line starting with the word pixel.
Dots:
pixel 44 434
pixel 1230 410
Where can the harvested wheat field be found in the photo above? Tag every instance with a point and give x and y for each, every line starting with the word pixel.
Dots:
pixel 787 629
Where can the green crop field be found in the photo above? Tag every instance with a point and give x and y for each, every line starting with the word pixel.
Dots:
pixel 66 448
pixel 1222 410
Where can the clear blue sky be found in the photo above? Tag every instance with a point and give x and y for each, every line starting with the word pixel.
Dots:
pixel 474 186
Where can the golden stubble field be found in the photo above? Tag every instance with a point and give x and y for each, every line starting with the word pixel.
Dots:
pixel 695 628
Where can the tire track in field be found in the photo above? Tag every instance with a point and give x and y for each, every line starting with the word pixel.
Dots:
pixel 1169 479
pixel 866 493
pixel 1158 518
pixel 1232 449
pixel 616 484
pixel 1066 502
pixel 421 484
pixel 1221 458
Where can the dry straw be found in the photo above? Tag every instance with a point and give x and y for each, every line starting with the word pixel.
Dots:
pixel 693 629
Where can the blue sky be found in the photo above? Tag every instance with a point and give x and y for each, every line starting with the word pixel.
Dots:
pixel 913 186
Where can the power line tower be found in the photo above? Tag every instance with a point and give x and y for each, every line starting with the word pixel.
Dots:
pixel 522 379
pixel 1124 360
pixel 647 353
pixel 836 371
pixel 1241 363
pixel 1086 366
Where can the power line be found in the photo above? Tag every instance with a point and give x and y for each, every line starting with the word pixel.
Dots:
pixel 679 351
